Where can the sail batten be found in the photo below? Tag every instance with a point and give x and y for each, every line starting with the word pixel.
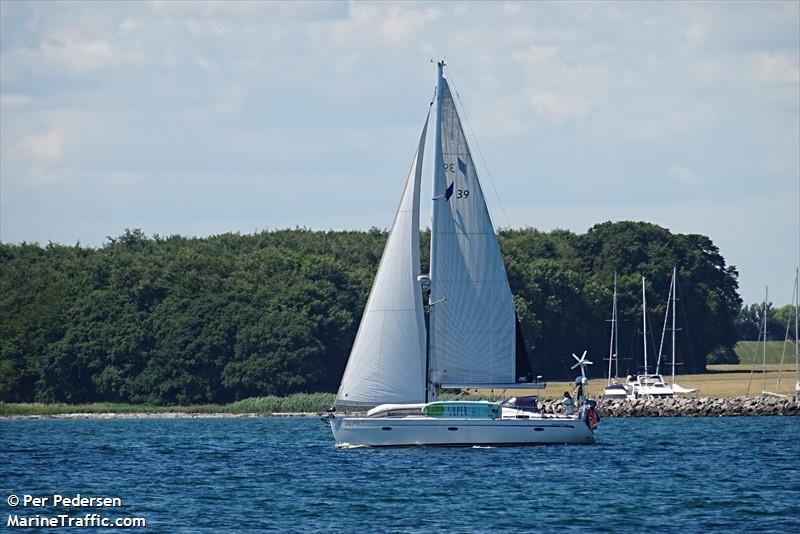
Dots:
pixel 387 361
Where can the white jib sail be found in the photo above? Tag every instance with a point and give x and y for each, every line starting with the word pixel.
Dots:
pixel 472 319
pixel 387 361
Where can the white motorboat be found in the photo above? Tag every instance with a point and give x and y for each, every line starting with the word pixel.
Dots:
pixel 649 386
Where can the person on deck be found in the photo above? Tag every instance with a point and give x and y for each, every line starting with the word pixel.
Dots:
pixel 569 404
pixel 579 395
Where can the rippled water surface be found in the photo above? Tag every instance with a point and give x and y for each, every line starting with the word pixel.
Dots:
pixel 217 475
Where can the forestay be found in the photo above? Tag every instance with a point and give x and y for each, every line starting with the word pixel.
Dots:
pixel 472 317
pixel 387 361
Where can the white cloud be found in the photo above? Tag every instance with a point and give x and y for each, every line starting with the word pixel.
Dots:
pixel 682 175
pixel 775 68
pixel 561 89
pixel 130 25
pixel 387 24
pixel 77 55
pixel 657 120
pixel 558 105
pixel 233 101
pixel 205 27
pixel 202 62
pixel 43 147
pixel 251 9
pixel 14 100
pixel 35 159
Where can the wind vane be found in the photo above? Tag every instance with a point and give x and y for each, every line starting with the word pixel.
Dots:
pixel 582 363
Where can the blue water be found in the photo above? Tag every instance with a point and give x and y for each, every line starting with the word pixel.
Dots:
pixel 218 475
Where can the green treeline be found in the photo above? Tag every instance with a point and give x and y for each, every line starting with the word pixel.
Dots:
pixel 168 320
pixel 750 322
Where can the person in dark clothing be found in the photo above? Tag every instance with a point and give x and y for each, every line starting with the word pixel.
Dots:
pixel 579 395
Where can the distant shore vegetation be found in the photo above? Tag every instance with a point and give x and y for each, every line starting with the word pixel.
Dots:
pixel 295 403
pixel 190 321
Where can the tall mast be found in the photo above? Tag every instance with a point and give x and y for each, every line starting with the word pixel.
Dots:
pixel 438 170
pixel 796 330
pixel 792 313
pixel 616 330
pixel 663 331
pixel 764 345
pixel 674 289
pixel 762 332
pixel 611 347
pixel 644 326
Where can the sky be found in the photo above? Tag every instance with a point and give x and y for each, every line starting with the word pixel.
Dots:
pixel 211 117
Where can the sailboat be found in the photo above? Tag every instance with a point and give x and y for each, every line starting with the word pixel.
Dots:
pixel 762 339
pixel 796 313
pixel 645 384
pixel 614 390
pixel 797 332
pixel 793 317
pixel 398 367
pixel 671 301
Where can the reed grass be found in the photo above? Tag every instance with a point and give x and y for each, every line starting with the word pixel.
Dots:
pixel 296 403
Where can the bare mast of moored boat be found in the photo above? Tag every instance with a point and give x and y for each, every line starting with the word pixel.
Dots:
pixel 613 343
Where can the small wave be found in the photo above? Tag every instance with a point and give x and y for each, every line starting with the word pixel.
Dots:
pixel 349 446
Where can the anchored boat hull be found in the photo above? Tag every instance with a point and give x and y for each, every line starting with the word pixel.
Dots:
pixel 355 431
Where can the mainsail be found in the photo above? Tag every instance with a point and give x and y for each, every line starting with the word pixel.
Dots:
pixel 472 319
pixel 387 362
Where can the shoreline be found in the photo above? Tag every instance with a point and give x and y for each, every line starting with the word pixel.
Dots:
pixel 670 407
pixel 158 415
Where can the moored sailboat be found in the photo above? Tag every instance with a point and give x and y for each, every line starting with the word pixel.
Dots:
pixel 646 384
pixel 615 390
pixel 793 316
pixel 398 367
pixel 672 299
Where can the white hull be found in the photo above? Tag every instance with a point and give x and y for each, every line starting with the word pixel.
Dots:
pixel 646 392
pixel 617 391
pixel 615 395
pixel 649 387
pixel 355 431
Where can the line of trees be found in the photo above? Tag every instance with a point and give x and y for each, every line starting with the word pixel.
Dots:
pixel 750 322
pixel 188 320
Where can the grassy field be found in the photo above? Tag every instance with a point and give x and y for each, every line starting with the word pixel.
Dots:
pixel 747 350
pixel 721 381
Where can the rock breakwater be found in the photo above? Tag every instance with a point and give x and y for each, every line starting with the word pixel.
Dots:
pixel 690 407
